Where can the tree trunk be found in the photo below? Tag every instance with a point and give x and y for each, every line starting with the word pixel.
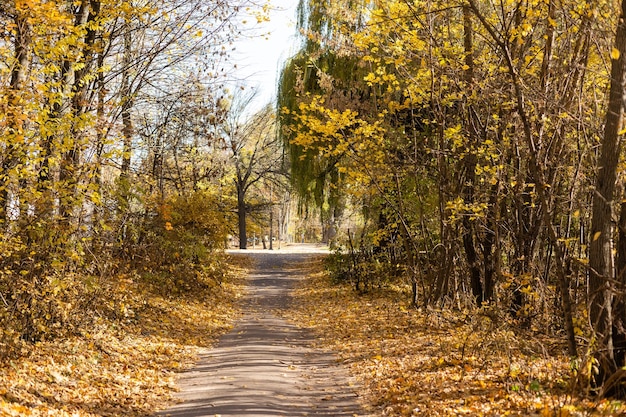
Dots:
pixel 537 172
pixel 527 226
pixel 21 46
pixel 127 124
pixel 488 242
pixel 469 168
pixel 602 279
pixel 619 308
pixel 68 173
pixel 241 218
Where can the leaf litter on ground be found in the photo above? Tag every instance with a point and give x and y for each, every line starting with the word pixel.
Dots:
pixel 412 362
pixel 123 368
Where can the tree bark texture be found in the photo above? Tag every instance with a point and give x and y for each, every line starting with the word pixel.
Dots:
pixel 604 284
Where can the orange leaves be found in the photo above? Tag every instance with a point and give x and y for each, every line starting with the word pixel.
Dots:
pixel 440 363
pixel 85 377
pixel 118 368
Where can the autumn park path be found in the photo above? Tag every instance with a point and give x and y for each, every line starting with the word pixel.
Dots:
pixel 266 366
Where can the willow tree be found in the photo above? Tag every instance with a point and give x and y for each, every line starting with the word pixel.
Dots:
pixel 324 66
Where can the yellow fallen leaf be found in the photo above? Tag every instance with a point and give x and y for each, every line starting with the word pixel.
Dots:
pixel 615 54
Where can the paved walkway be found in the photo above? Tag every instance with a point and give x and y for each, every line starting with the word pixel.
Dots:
pixel 266 366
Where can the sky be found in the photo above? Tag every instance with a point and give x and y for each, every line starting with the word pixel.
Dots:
pixel 259 59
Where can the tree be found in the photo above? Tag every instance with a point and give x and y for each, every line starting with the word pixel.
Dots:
pixel 607 281
pixel 489 106
pixel 14 104
pixel 324 67
pixel 255 155
pixel 76 78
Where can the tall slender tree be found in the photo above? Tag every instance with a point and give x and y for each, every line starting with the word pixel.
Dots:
pixel 606 287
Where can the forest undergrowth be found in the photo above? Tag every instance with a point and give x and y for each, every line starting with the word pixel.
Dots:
pixel 417 362
pixel 125 366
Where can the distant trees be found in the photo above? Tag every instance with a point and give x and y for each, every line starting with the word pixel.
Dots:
pixel 467 135
pixel 256 159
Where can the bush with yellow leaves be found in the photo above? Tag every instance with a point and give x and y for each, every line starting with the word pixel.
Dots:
pixel 56 281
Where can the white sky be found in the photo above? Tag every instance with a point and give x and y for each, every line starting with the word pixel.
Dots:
pixel 260 59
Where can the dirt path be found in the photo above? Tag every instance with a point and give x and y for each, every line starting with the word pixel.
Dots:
pixel 266 366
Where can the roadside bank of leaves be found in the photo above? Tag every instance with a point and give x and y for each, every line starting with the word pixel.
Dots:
pixel 441 363
pixel 123 364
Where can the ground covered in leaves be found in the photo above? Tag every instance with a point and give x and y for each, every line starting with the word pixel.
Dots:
pixel 121 367
pixel 442 363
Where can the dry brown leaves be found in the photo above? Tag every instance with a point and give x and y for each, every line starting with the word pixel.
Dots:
pixel 440 363
pixel 115 370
